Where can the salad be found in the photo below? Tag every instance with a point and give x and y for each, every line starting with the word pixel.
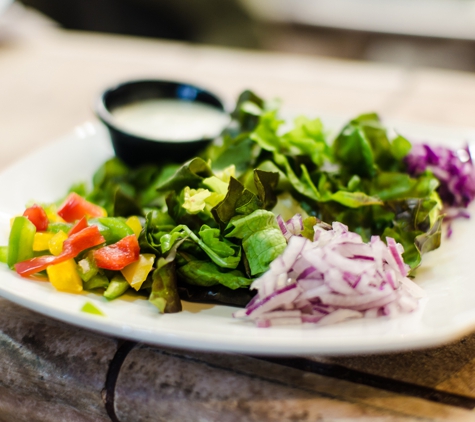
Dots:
pixel 286 222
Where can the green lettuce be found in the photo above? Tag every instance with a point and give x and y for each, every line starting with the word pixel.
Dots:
pixel 262 239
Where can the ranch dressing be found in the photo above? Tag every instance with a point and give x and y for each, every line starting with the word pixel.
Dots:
pixel 171 120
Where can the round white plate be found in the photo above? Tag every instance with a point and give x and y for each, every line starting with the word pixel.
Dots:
pixel 447 275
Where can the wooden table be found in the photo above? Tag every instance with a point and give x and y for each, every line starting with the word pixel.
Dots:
pixel 48 81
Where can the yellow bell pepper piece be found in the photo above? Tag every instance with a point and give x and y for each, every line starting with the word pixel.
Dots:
pixel 51 213
pixel 41 241
pixel 56 243
pixel 134 223
pixel 137 272
pixel 64 277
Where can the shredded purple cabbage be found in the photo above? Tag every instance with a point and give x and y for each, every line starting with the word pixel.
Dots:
pixel 454 169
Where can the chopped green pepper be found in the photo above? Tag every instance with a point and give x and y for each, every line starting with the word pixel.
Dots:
pixel 99 281
pixel 20 242
pixel 4 254
pixel 87 267
pixel 117 287
pixel 112 228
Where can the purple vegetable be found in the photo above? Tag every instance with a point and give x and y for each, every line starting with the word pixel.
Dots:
pixel 293 226
pixel 333 278
pixel 454 169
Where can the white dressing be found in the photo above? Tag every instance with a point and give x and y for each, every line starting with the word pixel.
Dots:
pixel 171 120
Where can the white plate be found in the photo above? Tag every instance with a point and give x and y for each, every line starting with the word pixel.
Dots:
pixel 447 275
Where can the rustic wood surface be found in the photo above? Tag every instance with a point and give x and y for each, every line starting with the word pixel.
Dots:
pixel 50 371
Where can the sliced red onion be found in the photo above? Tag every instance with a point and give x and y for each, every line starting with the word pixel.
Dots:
pixel 283 227
pixel 332 279
pixel 339 315
pixel 272 322
pixel 312 319
pixel 276 300
pixel 295 224
pixel 396 254
pixel 291 227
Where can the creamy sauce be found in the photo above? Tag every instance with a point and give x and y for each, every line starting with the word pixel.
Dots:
pixel 171 120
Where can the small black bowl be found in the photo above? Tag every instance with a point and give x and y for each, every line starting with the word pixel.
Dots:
pixel 134 149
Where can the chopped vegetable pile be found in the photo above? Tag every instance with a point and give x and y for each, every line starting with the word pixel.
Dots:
pixel 335 277
pixel 297 227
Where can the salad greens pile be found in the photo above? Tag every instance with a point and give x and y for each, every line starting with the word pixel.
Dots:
pixel 211 222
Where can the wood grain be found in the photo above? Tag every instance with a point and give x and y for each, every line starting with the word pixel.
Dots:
pixel 49 370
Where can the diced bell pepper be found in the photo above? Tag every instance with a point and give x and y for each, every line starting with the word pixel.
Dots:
pixel 81 224
pixel 56 227
pixel 89 308
pixel 64 276
pixel 134 223
pixel 55 244
pixel 87 267
pixel 99 281
pixel 4 254
pixel 20 242
pixel 52 214
pixel 117 287
pixel 37 216
pixel 75 207
pixel 118 255
pixel 72 246
pixel 41 241
pixel 137 272
pixel 112 228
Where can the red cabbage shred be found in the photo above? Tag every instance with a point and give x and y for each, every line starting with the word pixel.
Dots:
pixel 454 169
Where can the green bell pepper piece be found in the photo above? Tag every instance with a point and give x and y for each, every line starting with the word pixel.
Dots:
pixel 87 267
pixel 4 254
pixel 112 228
pixel 99 281
pixel 20 242
pixel 117 287
pixel 56 227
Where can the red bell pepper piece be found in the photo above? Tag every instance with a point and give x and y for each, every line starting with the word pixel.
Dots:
pixel 118 255
pixel 80 225
pixel 37 215
pixel 76 207
pixel 72 246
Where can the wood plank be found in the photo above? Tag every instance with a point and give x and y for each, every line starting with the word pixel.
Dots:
pixel 450 368
pixel 173 385
pixel 50 371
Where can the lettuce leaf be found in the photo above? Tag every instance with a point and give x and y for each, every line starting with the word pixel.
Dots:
pixel 262 239
pixel 206 273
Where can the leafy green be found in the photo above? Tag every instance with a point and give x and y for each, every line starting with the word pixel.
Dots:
pixel 164 293
pixel 211 220
pixel 206 273
pixel 125 192
pixel 189 174
pixel 221 251
pixel 262 240
pixel 238 200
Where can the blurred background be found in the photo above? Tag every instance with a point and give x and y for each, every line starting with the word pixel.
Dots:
pixel 433 33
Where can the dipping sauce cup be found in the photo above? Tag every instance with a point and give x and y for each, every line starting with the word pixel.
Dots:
pixel 157 121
